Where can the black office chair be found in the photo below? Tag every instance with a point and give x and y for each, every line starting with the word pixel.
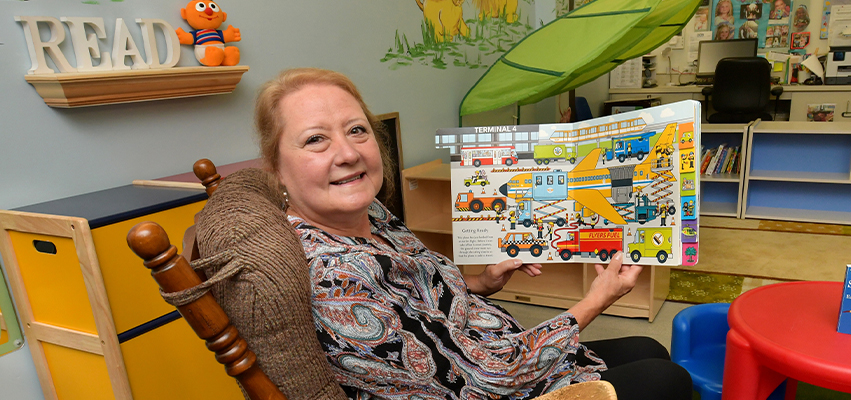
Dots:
pixel 741 90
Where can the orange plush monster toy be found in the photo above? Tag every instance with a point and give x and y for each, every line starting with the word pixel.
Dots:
pixel 210 50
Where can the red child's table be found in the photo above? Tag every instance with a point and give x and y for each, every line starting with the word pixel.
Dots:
pixel 786 330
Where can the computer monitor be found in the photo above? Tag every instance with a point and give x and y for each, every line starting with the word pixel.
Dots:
pixel 709 52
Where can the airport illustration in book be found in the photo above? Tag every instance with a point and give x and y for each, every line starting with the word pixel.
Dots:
pixel 578 192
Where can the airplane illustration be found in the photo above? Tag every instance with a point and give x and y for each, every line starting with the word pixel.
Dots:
pixel 594 188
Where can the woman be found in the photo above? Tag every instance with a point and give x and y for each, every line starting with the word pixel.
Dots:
pixel 397 320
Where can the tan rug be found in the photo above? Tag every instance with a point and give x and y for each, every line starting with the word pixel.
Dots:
pixel 738 255
pixel 773 249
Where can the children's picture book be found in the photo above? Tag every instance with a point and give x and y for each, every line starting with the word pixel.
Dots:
pixel 578 192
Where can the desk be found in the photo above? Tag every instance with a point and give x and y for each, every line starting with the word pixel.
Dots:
pixel 798 96
pixel 786 330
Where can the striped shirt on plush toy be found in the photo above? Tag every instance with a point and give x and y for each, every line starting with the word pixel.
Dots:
pixel 204 36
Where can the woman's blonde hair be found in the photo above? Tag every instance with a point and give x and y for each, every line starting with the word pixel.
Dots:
pixel 269 121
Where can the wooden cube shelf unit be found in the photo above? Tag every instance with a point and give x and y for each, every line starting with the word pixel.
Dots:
pixel 428 213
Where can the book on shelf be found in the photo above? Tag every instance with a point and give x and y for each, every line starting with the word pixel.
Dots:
pixel 721 160
pixel 706 157
pixel 578 192
pixel 713 163
pixel 723 167
pixel 728 168
pixel 737 163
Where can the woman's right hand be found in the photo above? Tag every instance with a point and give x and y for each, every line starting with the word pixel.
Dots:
pixel 612 282
pixel 615 280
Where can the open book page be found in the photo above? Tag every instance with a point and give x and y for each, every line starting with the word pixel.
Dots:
pixel 578 192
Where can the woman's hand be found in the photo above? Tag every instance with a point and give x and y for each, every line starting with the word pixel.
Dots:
pixel 611 283
pixel 495 276
pixel 614 281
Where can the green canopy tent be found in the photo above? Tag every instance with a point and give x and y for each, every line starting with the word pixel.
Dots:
pixel 575 49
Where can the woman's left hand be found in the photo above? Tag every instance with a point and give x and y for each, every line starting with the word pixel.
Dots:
pixel 495 276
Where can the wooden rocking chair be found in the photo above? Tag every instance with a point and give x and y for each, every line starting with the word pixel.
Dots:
pixel 174 274
pixel 208 319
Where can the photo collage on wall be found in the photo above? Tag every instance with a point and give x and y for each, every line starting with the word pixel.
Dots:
pixel 777 24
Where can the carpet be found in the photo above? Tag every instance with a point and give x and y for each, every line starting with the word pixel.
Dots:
pixel 698 287
pixel 779 250
pixel 710 282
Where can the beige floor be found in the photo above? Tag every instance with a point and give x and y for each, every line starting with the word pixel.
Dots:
pixel 732 246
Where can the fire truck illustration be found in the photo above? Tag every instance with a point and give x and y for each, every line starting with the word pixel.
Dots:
pixel 603 243
pixel 512 243
pixel 469 201
pixel 651 242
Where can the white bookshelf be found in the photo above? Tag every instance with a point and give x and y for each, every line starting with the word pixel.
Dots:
pixel 721 193
pixel 798 171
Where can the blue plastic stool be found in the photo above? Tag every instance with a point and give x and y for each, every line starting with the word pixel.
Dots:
pixel 698 344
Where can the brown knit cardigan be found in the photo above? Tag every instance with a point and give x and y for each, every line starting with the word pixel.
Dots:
pixel 243 231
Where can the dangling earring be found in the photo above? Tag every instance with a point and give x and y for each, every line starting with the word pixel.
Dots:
pixel 286 200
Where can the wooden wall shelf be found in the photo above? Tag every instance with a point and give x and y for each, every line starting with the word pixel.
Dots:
pixel 80 89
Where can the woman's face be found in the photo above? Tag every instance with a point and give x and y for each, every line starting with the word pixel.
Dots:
pixel 329 159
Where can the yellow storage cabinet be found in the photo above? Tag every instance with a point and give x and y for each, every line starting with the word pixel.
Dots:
pixel 94 319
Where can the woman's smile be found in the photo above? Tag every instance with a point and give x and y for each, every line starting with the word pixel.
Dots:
pixel 348 180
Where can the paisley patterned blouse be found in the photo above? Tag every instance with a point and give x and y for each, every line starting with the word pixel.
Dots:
pixel 398 322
